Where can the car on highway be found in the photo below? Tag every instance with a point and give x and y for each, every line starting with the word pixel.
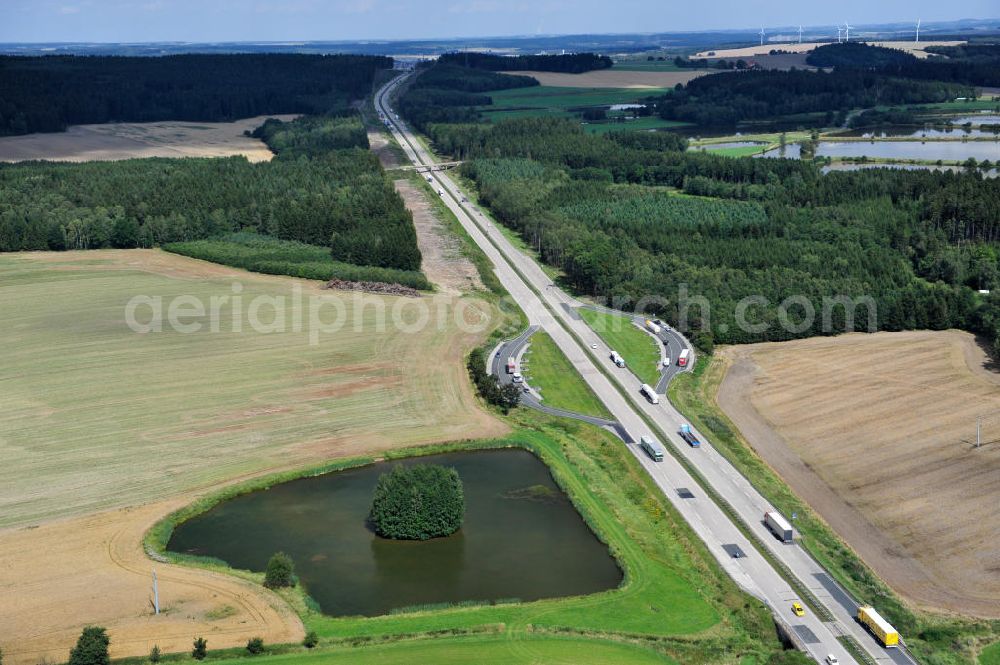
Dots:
pixel 798 610
pixel 832 660
pixel 430 179
pixel 517 378
pixel 593 346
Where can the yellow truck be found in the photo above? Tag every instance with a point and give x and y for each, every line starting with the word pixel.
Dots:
pixel 878 626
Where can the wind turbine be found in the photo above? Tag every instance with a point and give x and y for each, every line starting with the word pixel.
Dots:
pixel 839 31
pixel 800 34
pixel 762 36
pixel 847 31
pixel 917 40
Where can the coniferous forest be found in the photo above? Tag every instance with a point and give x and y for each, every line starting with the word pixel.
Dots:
pixel 323 189
pixel 49 93
pixel 628 216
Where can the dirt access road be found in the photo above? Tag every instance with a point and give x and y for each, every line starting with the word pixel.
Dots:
pixel 876 433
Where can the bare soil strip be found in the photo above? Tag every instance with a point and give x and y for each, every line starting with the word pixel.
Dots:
pixel 125 140
pixel 379 144
pixel 877 434
pixel 442 261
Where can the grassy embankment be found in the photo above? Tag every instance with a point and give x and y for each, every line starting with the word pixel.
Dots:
pixel 476 649
pixel 561 386
pixel 990 655
pixel 639 350
pixel 264 254
pixel 934 639
pixel 674 597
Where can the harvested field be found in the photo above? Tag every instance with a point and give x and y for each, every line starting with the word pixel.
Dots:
pixel 63 576
pixel 613 78
pixel 98 417
pixel 113 141
pixel 442 260
pixel 877 433
pixel 750 51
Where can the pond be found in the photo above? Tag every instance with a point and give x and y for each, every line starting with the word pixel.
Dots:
pixel 957 151
pixel 981 119
pixel 522 538
pixel 930 132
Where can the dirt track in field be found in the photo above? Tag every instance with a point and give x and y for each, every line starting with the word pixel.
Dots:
pixel 129 140
pixel 877 433
pixel 614 78
pixel 63 576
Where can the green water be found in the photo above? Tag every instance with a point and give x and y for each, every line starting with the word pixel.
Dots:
pixel 521 538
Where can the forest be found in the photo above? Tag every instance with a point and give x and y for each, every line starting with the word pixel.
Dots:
pixel 328 194
pixel 976 64
pixel 731 97
pixel 626 216
pixel 47 94
pixel 569 63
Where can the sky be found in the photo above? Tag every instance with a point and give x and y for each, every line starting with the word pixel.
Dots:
pixel 317 20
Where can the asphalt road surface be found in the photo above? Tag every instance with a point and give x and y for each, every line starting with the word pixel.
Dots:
pixel 549 307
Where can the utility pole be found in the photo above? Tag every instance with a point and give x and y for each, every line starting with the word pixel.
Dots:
pixel 979 431
pixel 156 594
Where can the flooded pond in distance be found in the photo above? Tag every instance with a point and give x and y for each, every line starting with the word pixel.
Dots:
pixel 981 119
pixel 931 150
pixel 522 538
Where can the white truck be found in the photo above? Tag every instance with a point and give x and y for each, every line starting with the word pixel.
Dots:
pixel 682 360
pixel 652 327
pixel 779 526
pixel 617 359
pixel 649 393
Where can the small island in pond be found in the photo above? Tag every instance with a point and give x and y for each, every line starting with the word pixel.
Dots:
pixel 417 503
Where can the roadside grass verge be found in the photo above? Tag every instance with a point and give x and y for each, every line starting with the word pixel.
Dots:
pixel 640 352
pixel 932 638
pixel 558 381
pixel 271 256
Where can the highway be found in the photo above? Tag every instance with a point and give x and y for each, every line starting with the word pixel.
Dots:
pixel 554 311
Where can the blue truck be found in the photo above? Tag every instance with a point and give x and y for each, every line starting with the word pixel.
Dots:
pixel 689 436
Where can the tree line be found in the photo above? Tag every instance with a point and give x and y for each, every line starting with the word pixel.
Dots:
pixel 731 97
pixel 972 64
pixel 49 93
pixel 569 63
